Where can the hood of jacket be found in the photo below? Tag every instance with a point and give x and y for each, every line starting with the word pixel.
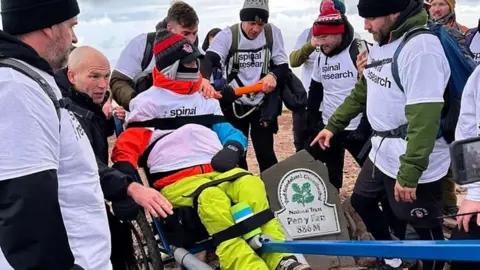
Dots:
pixel 12 47
pixel 347 38
pixel 414 15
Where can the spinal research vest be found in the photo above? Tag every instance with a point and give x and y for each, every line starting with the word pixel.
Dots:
pixel 186 146
pixel 475 47
pixel 468 124
pixel 338 75
pixel 252 57
pixel 424 73
pixel 79 192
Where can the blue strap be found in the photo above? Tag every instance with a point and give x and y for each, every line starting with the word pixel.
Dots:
pixel 409 35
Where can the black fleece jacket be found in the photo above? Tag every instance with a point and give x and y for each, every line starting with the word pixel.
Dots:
pixel 32 232
pixel 113 182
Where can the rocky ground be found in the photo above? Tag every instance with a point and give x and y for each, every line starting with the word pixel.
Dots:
pixel 284 148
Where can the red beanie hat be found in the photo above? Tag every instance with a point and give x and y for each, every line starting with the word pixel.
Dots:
pixel 329 22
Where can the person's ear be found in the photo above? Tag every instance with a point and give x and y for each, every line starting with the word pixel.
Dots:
pixel 71 76
pixel 48 31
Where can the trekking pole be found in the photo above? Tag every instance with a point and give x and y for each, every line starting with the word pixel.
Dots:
pixel 459 215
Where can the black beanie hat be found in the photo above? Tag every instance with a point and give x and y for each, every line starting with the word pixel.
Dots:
pixel 169 48
pixel 380 8
pixel 254 11
pixel 25 16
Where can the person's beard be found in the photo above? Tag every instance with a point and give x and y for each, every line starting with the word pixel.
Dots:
pixel 384 32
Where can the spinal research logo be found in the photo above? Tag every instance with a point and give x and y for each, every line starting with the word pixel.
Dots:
pixel 302 195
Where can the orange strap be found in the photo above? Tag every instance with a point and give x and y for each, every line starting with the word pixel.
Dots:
pixel 195 170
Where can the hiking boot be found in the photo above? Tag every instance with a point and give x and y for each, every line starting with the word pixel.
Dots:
pixel 291 263
pixel 449 210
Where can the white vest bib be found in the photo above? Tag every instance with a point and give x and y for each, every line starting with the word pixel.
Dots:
pixel 338 76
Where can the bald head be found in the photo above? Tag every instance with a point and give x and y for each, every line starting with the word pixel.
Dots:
pixel 85 56
pixel 89 72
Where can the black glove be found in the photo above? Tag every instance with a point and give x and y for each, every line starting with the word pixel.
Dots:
pixel 227 158
pixel 228 94
pixel 77 267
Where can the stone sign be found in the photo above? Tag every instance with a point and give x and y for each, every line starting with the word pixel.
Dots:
pixel 308 206
pixel 306 213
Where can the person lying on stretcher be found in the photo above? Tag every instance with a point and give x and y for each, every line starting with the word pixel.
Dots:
pixel 190 155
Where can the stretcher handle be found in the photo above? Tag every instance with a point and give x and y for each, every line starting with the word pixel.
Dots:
pixel 253 88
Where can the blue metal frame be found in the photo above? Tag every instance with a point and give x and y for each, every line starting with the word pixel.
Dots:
pixel 455 250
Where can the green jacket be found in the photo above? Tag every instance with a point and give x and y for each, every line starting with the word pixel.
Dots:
pixel 298 57
pixel 421 134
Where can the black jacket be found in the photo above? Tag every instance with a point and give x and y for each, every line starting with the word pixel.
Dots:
pixel 32 232
pixel 114 183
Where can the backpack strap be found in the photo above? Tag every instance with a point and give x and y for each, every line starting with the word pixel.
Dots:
pixel 269 42
pixel 68 104
pixel 148 53
pixel 409 35
pixel 269 36
pixel 233 53
pixel 29 72
pixel 353 51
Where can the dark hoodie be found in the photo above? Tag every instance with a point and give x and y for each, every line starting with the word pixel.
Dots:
pixel 32 232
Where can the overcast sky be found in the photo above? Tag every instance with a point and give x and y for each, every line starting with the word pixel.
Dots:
pixel 108 25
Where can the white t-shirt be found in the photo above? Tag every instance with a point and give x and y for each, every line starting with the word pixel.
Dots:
pixel 475 47
pixel 130 61
pixel 338 75
pixel 185 147
pixel 31 142
pixel 251 61
pixel 468 124
pixel 307 67
pixel 424 73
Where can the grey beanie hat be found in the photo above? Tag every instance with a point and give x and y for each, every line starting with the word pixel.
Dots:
pixel 254 10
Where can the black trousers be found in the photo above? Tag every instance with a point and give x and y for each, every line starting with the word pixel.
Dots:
pixel 472 234
pixel 122 255
pixel 262 136
pixel 334 156
pixel 422 214
pixel 299 128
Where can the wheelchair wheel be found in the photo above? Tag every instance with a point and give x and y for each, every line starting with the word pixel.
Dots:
pixel 150 256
